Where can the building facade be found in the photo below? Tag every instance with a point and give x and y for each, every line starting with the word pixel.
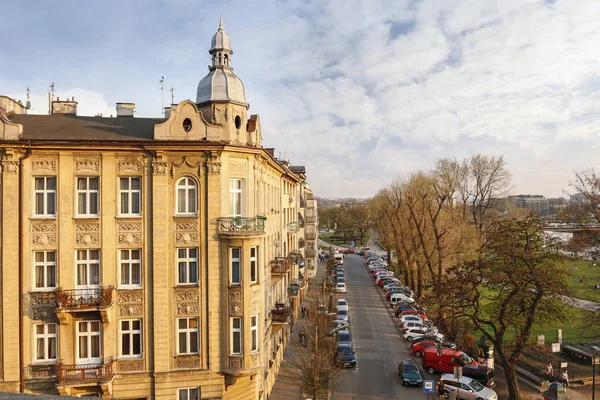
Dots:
pixel 150 258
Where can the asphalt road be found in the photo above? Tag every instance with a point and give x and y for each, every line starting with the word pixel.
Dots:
pixel 378 344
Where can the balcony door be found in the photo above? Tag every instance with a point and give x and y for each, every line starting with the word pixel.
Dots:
pixel 89 342
pixel 88 272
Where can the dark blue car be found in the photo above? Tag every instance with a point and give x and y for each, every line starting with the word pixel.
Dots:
pixel 344 357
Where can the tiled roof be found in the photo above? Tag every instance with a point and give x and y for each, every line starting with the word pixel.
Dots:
pixel 73 127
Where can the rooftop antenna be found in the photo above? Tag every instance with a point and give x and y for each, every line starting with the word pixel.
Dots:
pixel 50 98
pixel 172 96
pixel 28 103
pixel 162 93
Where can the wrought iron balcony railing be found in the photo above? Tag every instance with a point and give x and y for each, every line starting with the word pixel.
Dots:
pixel 280 314
pixel 294 288
pixel 279 266
pixel 40 372
pixel 294 257
pixel 77 299
pixel 76 374
pixel 242 225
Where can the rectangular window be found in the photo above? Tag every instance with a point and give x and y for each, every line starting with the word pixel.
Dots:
pixel 187 264
pixel 187 335
pixel 88 341
pixel 235 193
pixel 253 265
pixel 131 268
pixel 189 394
pixel 131 338
pixel 88 194
pixel 254 333
pixel 236 335
pixel 45 196
pixel 46 342
pixel 88 268
pixel 235 255
pixel 130 195
pixel 44 265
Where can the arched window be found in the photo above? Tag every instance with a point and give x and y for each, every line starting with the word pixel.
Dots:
pixel 187 196
pixel 226 59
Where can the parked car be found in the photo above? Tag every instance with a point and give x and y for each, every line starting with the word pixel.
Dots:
pixel 342 304
pixel 399 297
pixel 345 357
pixel 341 280
pixel 411 334
pixel 343 338
pixel 342 315
pixel 445 363
pixel 419 325
pixel 468 388
pixel 411 318
pixel 409 373
pixel 481 374
pixel 418 348
pixel 335 328
pixel 340 287
pixel 426 338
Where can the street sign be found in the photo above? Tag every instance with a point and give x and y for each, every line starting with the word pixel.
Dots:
pixel 458 372
pixel 556 347
pixel 540 340
pixel 559 335
pixel 428 386
pixel 563 364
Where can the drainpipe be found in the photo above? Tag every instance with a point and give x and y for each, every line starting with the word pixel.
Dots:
pixel 20 270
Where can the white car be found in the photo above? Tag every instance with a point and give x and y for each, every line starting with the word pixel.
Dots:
pixel 418 325
pixel 340 288
pixel 410 317
pixel 414 333
pixel 469 388
pixel 342 304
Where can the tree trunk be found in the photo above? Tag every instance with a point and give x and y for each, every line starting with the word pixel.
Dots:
pixel 510 375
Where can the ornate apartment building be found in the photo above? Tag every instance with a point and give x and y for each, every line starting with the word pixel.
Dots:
pixel 150 258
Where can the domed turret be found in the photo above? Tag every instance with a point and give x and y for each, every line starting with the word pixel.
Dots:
pixel 221 84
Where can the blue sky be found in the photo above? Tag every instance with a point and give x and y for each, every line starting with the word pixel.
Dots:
pixel 359 92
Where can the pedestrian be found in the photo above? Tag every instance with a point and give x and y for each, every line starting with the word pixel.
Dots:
pixel 441 390
pixel 565 378
pixel 549 371
pixel 301 337
pixel 581 280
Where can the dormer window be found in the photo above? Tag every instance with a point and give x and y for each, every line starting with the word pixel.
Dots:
pixel 187 124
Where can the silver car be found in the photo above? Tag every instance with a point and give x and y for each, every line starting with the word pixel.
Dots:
pixel 468 388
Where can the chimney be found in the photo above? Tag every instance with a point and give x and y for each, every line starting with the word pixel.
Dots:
pixel 271 151
pixel 65 106
pixel 167 111
pixel 125 109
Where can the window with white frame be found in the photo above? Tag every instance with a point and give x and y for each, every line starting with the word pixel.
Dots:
pixel 88 268
pixel 235 197
pixel 236 335
pixel 187 196
pixel 189 394
pixel 46 342
pixel 44 192
pixel 88 341
pixel 254 333
pixel 44 265
pixel 187 335
pixel 187 265
pixel 131 338
pixel 130 261
pixel 88 194
pixel 236 265
pixel 253 265
pixel 130 195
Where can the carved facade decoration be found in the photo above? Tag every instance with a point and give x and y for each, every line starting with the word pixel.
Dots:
pixel 235 363
pixel 256 305
pixel 187 362
pixel 44 314
pixel 159 168
pixel 87 166
pixel 43 165
pixel 130 227
pixel 130 303
pixel 128 310
pixel 87 228
pixel 186 226
pixel 185 161
pixel 130 365
pixel 186 237
pixel 235 303
pixel 186 296
pixel 130 238
pixel 187 308
pixel 86 238
pixel 237 167
pixel 129 296
pixel 256 361
pixel 213 167
pixel 130 166
pixel 43 228
pixel 44 239
pixel 10 167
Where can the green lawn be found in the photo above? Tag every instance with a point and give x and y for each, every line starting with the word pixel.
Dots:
pixel 591 276
pixel 574 329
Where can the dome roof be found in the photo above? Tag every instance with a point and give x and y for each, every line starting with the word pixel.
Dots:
pixel 220 40
pixel 221 84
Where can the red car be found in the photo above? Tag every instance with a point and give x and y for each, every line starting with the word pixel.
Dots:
pixel 418 349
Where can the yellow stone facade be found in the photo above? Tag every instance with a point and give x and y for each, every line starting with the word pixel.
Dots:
pixel 143 258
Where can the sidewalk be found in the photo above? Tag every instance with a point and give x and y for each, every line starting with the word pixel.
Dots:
pixel 285 388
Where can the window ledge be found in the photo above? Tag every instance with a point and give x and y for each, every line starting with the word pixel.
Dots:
pixel 132 216
pixel 79 217
pixel 129 287
pixel 43 290
pixel 130 358
pixel 185 216
pixel 43 217
pixel 185 285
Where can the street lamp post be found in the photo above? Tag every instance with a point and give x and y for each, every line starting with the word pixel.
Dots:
pixel 595 352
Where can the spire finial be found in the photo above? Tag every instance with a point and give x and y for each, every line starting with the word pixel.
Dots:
pixel 220 21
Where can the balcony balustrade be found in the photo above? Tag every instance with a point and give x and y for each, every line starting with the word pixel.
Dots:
pixel 294 257
pixel 40 299
pixel 242 226
pixel 279 266
pixel 293 227
pixel 40 372
pixel 280 314
pixel 78 374
pixel 294 288
pixel 310 216
pixel 311 252
pixel 79 299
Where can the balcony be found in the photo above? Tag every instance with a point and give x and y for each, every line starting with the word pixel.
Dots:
pixel 83 374
pixel 311 235
pixel 301 243
pixel 294 288
pixel 310 216
pixel 241 226
pixel 294 257
pixel 293 227
pixel 279 266
pixel 280 314
pixel 84 299
pixel 42 299
pixel 311 252
pixel 40 372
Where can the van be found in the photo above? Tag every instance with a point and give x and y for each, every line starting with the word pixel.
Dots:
pixel 399 297
pixel 481 374
pixel 450 358
pixel 339 256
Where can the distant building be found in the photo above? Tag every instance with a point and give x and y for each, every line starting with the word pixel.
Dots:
pixel 147 258
pixel 533 202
